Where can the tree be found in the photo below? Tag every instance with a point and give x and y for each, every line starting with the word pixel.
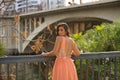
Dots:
pixel 1 50
pixel 104 37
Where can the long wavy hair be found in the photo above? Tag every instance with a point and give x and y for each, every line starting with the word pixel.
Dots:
pixel 65 26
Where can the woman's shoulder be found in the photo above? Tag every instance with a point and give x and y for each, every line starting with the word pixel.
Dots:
pixel 59 38
pixel 62 38
pixel 71 40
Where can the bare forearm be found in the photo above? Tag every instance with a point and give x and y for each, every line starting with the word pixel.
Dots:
pixel 51 53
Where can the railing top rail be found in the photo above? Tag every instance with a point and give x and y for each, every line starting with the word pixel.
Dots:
pixel 37 58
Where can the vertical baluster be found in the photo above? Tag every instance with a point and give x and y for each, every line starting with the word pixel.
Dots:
pixel 26 26
pixel 93 69
pixel 39 24
pixel 0 71
pixel 8 72
pixel 104 62
pixel 0 68
pixel 39 70
pixel 81 69
pixel 115 67
pixel 98 69
pixel 86 69
pixel 34 19
pixel 118 63
pixel 109 68
pixel 16 71
pixel 30 22
pixel 47 69
pixel 24 71
pixel 32 71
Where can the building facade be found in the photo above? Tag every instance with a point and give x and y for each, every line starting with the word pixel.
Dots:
pixel 10 10
pixel 7 8
pixel 24 6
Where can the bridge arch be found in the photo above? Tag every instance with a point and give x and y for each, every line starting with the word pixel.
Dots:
pixel 50 21
pixel 103 11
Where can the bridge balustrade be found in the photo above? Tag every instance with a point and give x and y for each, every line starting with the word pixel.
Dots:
pixel 90 66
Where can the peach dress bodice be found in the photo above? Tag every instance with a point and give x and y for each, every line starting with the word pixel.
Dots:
pixel 64 52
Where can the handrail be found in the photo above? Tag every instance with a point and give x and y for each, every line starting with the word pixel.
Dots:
pixel 33 58
pixel 91 64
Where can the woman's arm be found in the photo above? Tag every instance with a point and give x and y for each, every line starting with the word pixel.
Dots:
pixel 55 49
pixel 76 51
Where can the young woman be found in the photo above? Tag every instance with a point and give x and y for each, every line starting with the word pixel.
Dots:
pixel 64 68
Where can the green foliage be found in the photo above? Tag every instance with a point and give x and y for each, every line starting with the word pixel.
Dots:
pixel 104 37
pixel 1 50
pixel 76 36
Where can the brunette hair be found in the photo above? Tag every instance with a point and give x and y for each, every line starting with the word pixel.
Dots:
pixel 65 26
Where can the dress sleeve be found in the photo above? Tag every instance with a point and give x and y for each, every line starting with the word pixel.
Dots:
pixel 56 47
pixel 76 51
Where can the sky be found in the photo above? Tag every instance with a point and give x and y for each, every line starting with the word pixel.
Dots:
pixel 78 1
pixel 83 1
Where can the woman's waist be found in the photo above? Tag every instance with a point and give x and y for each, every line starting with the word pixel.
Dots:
pixel 63 56
pixel 64 59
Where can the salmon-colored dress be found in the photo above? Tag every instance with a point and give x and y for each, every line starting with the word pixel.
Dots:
pixel 64 68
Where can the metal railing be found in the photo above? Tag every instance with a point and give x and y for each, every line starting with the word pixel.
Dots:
pixel 92 66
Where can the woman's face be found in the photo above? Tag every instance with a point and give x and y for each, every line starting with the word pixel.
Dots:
pixel 61 31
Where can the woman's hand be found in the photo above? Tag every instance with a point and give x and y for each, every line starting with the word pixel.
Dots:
pixel 44 54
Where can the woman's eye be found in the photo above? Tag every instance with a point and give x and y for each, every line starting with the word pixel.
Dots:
pixel 61 30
